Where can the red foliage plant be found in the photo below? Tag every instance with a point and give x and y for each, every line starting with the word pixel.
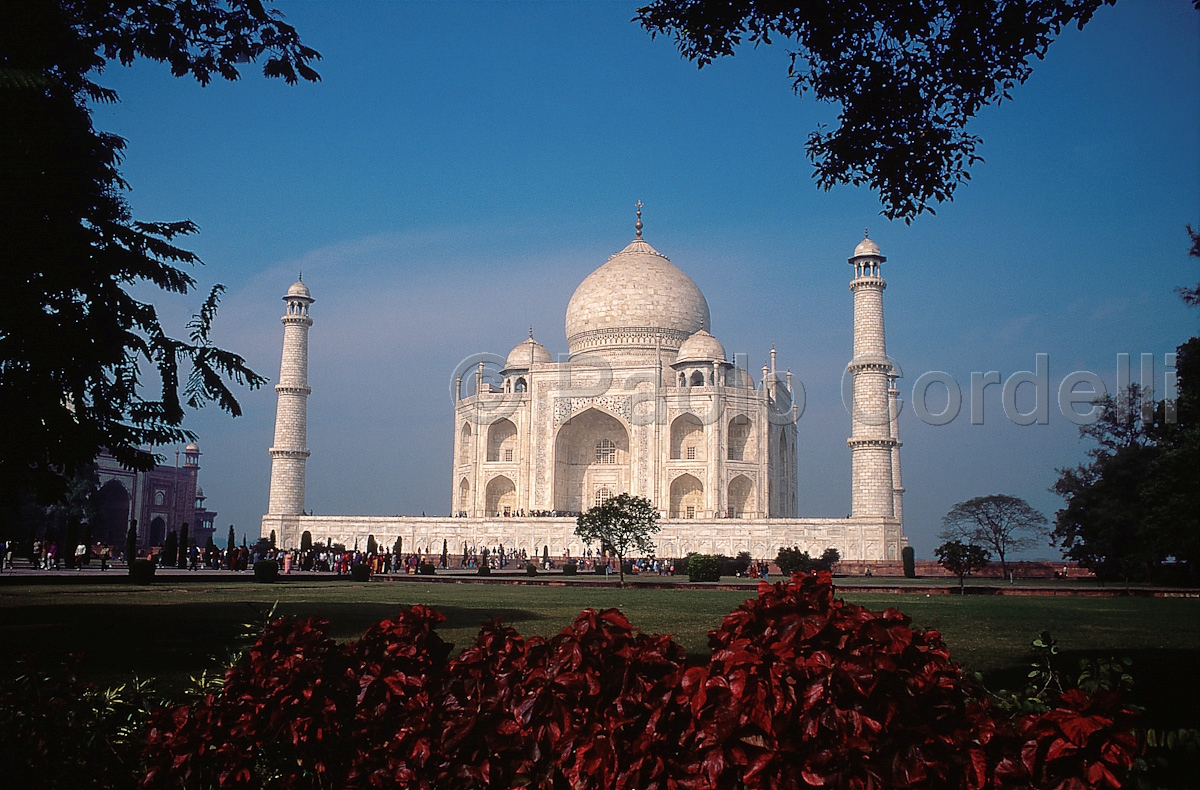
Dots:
pixel 801 690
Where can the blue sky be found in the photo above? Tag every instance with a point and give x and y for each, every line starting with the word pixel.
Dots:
pixel 463 166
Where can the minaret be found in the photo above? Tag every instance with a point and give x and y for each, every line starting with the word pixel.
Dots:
pixel 289 453
pixel 894 414
pixel 871 440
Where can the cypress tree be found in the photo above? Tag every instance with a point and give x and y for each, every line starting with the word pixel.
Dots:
pixel 445 554
pixel 231 541
pixel 170 551
pixel 131 542
pixel 183 546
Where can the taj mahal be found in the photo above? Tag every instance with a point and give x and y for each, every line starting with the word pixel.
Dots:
pixel 645 401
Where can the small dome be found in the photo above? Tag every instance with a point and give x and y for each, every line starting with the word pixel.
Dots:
pixel 701 347
pixel 192 448
pixel 866 247
pixel 738 377
pixel 529 351
pixel 199 493
pixel 299 289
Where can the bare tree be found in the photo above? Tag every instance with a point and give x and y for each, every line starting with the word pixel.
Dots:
pixel 999 522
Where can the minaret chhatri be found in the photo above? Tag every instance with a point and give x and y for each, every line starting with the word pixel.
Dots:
pixel 289 453
pixel 872 440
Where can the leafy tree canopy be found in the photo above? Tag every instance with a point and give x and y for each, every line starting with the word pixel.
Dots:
pixel 76 348
pixel 907 75
pixel 622 525
pixel 1000 522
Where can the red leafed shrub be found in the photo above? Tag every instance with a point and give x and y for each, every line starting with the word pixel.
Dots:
pixel 801 690
pixel 301 711
pixel 1083 742
pixel 805 690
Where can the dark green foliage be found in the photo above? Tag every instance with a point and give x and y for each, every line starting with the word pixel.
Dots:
pixel 141 571
pixel 622 524
pixel 272 539
pixel 49 712
pixel 398 546
pixel 734 566
pixel 704 568
pixel 426 569
pixel 531 569
pixel 445 554
pixel 794 560
pixel 266 571
pixel 906 79
pixel 570 569
pixel 231 539
pixel 372 546
pixel 360 572
pixel 681 564
pixel 960 559
pixel 84 365
pixel 626 567
pixel 909 557
pixel 306 543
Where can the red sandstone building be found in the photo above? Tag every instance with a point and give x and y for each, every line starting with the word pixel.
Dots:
pixel 161 500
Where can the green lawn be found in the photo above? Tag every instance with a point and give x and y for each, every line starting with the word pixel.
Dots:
pixel 172 629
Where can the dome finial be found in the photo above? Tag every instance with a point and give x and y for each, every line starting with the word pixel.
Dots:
pixel 301 277
pixel 866 233
pixel 638 225
pixel 531 331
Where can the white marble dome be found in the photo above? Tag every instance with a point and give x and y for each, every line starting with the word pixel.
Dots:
pixel 528 351
pixel 866 247
pixel 299 289
pixel 701 347
pixel 638 299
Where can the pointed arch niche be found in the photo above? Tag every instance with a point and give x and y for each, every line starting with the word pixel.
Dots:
pixel 687 438
pixel 590 451
pixel 741 497
pixel 502 441
pixel 501 497
pixel 687 497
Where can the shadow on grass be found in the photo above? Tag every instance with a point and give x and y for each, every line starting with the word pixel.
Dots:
pixel 116 642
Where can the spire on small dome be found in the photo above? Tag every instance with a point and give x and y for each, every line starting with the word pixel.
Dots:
pixel 638 225
pixel 531 331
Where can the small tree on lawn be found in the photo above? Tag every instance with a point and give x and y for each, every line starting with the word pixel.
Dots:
pixel 445 554
pixel 1002 523
pixel 230 540
pixel 960 559
pixel 624 523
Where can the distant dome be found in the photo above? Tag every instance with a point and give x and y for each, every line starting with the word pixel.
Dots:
pixel 299 289
pixel 637 300
pixel 701 347
pixel 523 354
pixel 199 492
pixel 866 247
pixel 739 377
pixel 192 448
